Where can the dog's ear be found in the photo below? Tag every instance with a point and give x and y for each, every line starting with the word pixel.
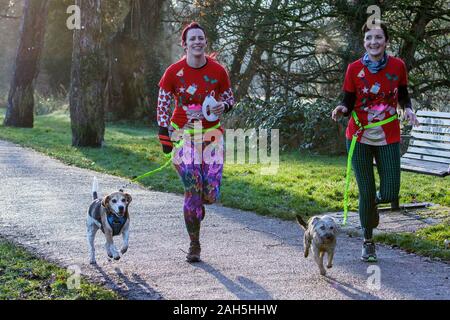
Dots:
pixel 105 201
pixel 128 197
pixel 314 220
pixel 301 222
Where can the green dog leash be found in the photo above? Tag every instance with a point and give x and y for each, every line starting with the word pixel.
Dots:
pixel 352 149
pixel 169 156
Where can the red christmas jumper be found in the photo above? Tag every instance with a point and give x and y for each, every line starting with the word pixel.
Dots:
pixel 190 86
pixel 376 100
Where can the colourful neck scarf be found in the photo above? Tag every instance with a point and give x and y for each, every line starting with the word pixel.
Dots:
pixel 375 66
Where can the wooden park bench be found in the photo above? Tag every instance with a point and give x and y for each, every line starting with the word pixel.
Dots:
pixel 429 148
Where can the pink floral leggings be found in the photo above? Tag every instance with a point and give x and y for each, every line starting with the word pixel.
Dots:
pixel 200 167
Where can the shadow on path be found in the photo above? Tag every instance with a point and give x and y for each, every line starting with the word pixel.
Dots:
pixel 350 291
pixel 243 289
pixel 135 288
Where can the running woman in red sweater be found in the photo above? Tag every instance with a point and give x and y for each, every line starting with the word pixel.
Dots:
pixel 189 82
pixel 373 86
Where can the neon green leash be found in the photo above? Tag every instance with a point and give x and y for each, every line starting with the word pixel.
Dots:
pixel 352 149
pixel 169 156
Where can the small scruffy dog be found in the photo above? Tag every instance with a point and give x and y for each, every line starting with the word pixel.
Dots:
pixel 109 214
pixel 320 233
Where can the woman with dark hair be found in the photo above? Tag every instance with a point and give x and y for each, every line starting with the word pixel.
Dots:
pixel 191 81
pixel 373 86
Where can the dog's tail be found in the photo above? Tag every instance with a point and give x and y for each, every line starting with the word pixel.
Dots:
pixel 301 222
pixel 95 188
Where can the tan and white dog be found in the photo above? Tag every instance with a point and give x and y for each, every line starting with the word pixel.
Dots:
pixel 320 234
pixel 109 214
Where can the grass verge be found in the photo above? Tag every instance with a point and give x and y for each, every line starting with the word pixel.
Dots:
pixel 427 242
pixel 24 276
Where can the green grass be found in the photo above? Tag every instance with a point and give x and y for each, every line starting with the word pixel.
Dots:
pixel 24 276
pixel 305 183
pixel 428 241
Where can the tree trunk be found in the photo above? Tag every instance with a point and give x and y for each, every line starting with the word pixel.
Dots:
pixel 268 76
pixel 87 78
pixel 415 36
pixel 353 16
pixel 20 112
pixel 256 56
pixel 244 45
pixel 135 62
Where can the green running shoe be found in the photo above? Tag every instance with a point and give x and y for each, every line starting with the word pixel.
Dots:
pixel 368 253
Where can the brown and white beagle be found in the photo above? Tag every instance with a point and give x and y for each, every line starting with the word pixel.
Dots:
pixel 109 214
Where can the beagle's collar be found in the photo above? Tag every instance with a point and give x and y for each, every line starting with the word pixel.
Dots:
pixel 115 222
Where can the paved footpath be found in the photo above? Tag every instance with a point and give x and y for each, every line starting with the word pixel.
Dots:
pixel 245 256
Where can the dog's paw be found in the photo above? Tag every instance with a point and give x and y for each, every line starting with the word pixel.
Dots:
pixel 123 250
pixel 108 251
pixel 306 254
pixel 116 255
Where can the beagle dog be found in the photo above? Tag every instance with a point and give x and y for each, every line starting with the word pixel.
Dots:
pixel 109 214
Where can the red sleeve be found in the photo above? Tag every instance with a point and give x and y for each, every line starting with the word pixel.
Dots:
pixel 349 84
pixel 166 85
pixel 225 82
pixel 163 108
pixel 226 93
pixel 403 81
pixel 167 81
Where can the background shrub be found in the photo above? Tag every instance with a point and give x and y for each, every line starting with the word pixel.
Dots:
pixel 303 124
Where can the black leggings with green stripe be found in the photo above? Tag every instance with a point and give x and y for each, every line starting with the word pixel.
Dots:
pixel 388 164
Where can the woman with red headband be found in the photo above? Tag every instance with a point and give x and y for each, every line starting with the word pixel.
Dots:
pixel 196 81
pixel 373 86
